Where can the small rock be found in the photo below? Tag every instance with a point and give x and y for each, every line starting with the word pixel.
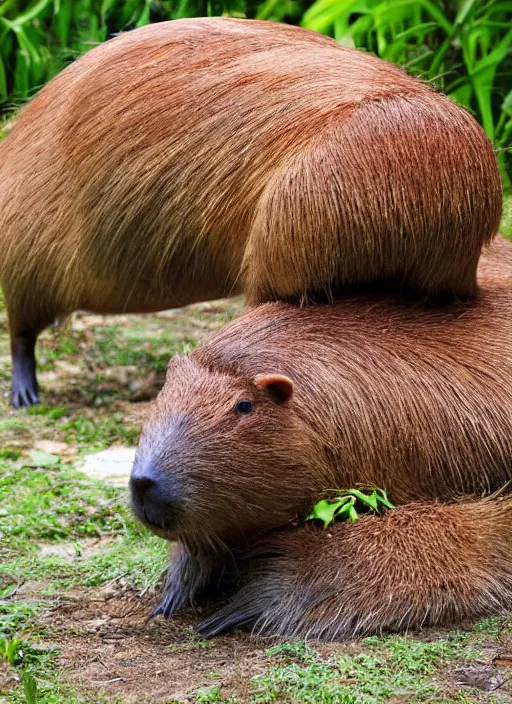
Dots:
pixel 66 551
pixel 113 467
pixel 56 448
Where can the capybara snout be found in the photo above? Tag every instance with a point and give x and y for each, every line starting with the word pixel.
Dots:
pixel 156 499
pixel 208 429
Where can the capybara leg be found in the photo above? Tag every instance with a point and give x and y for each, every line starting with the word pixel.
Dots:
pixel 24 331
pixel 188 575
pixel 420 564
pixel 24 390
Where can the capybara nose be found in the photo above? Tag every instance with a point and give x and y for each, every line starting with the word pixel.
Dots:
pixel 155 500
pixel 140 486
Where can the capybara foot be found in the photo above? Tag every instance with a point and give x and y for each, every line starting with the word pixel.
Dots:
pixel 238 613
pixel 24 391
pixel 176 596
pixel 188 576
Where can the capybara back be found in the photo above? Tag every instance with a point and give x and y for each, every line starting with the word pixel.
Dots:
pixel 198 158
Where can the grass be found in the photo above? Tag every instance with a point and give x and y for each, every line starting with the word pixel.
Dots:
pixel 390 667
pixel 506 221
pixel 395 668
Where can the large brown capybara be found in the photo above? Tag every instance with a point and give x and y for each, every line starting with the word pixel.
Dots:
pixel 286 403
pixel 200 158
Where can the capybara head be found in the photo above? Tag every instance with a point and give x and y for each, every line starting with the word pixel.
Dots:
pixel 222 453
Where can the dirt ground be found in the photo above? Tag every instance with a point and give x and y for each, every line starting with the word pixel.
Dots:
pixel 108 649
pixel 109 645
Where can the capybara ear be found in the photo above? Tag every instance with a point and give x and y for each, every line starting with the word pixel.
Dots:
pixel 279 387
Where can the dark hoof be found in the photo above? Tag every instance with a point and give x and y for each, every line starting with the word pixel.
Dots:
pixel 24 391
pixel 226 619
pixel 23 396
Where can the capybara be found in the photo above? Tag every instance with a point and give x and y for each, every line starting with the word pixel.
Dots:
pixel 200 158
pixel 287 403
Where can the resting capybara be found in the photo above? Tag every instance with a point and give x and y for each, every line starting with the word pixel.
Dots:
pixel 200 158
pixel 286 403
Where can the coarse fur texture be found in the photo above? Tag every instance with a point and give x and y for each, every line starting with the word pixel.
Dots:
pixel 418 565
pixel 375 391
pixel 200 158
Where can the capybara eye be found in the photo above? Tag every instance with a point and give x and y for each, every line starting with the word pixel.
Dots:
pixel 244 408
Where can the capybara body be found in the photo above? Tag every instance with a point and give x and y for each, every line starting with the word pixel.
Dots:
pixel 287 403
pixel 200 158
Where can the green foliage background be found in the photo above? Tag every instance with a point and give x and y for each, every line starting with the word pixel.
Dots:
pixel 463 46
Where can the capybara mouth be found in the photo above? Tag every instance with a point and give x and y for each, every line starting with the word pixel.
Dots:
pixel 160 518
pixel 162 532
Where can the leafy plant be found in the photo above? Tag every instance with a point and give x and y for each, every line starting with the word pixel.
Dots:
pixel 11 650
pixel 343 505
pixel 14 652
pixel 29 687
pixel 465 48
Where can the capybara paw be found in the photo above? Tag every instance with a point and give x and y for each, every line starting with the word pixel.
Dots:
pixel 24 393
pixel 238 613
pixel 24 390
pixel 175 598
pixel 218 623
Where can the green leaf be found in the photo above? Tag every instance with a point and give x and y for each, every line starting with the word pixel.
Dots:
pixel 482 76
pixel 21 73
pixel 370 501
pixel 63 21
pixel 29 687
pixel 39 458
pixel 267 9
pixel 323 511
pixel 31 13
pixel 145 16
pixel 3 80
pixel 343 505
pixel 13 651
pixel 506 105
pixel 6 6
pixel 464 12
pixel 352 514
pixel 322 14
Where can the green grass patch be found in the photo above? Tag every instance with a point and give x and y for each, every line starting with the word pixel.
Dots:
pixel 56 503
pixel 384 668
pixel 506 220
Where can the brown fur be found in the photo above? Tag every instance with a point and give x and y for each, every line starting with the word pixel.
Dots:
pixel 420 564
pixel 413 399
pixel 198 158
